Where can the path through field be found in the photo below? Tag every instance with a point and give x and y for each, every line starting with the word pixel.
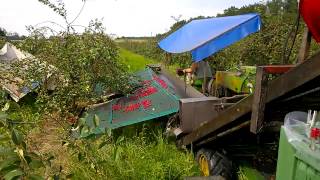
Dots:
pixel 47 140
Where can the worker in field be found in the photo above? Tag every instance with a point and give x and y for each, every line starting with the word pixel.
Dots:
pixel 201 74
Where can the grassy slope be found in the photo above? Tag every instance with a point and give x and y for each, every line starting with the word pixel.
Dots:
pixel 134 61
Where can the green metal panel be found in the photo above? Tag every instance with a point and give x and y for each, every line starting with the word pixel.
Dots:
pixel 296 160
pixel 155 98
pixel 237 81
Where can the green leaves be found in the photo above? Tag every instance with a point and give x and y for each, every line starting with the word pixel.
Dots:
pixel 80 157
pixel 109 132
pixel 35 177
pixel 103 144
pixel 120 140
pixel 12 174
pixel 10 161
pixel 3 115
pixel 16 137
pixel 88 67
pixel 6 107
pixel 36 164
pixel 81 122
pixel 16 160
pixel 96 121
pixel 3 118
pixel 6 151
pixel 59 9
pixel 116 153
pixel 84 131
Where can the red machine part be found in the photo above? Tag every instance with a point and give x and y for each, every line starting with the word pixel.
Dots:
pixel 310 11
pixel 315 133
pixel 277 69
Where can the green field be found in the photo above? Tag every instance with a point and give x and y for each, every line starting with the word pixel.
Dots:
pixel 134 61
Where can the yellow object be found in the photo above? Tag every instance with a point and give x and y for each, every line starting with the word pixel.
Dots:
pixel 204 165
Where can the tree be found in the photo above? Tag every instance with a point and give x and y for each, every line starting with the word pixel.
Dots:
pixel 291 6
pixel 3 32
pixel 275 6
pixel 86 66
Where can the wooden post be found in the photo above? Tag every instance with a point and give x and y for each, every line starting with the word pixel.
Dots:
pixel 305 46
pixel 168 59
pixel 259 100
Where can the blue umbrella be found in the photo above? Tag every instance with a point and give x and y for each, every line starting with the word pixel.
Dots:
pixel 204 37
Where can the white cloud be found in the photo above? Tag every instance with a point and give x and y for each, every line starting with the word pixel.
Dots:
pixel 121 17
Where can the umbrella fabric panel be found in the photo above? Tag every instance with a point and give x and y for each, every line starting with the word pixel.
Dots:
pixel 226 39
pixel 217 33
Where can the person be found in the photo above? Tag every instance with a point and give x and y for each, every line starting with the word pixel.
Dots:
pixel 202 74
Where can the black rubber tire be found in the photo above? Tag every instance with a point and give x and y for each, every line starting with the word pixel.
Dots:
pixel 219 164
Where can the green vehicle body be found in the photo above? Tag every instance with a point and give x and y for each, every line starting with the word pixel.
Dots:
pixel 240 82
pixel 296 160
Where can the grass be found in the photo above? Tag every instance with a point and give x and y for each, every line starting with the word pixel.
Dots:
pixel 134 61
pixel 148 155
pixel 248 173
pixel 137 152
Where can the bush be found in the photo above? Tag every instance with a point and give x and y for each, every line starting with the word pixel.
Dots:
pixel 86 66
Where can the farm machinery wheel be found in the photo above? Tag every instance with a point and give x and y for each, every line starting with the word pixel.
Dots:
pixel 213 163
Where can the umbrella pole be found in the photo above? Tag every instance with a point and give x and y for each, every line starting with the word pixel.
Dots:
pixel 185 83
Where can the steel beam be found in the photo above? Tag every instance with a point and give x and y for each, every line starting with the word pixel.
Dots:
pixel 301 74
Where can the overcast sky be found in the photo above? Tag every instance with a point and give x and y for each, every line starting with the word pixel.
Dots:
pixel 120 17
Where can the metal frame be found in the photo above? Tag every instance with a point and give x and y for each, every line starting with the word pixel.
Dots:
pixel 295 77
pixel 259 100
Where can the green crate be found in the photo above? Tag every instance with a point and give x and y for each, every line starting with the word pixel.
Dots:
pixel 296 160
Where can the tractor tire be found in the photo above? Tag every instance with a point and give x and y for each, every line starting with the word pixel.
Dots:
pixel 214 163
